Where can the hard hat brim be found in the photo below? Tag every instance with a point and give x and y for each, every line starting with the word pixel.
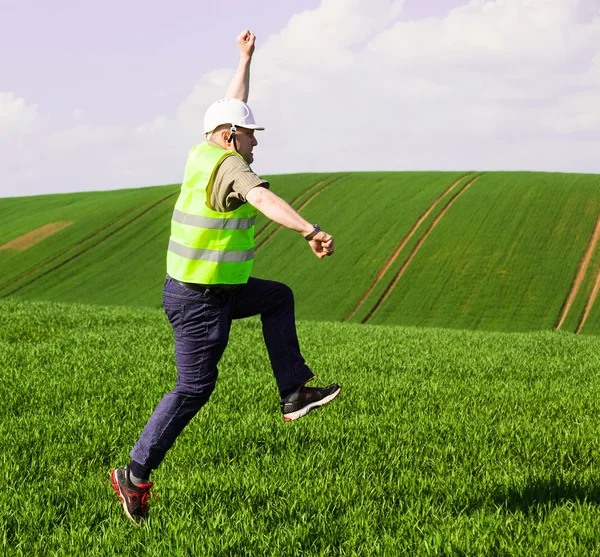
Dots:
pixel 247 126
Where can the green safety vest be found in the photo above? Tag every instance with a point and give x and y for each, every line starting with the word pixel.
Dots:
pixel 206 246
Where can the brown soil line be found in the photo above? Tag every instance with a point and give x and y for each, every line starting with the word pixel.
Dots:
pixel 34 237
pixel 308 191
pixel 400 247
pixel 580 275
pixel 268 225
pixel 417 247
pixel 299 208
pixel 68 250
pixel 589 305
pixel 79 244
pixel 63 253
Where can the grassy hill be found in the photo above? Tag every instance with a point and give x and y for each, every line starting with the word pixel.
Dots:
pixel 112 253
pixel 512 251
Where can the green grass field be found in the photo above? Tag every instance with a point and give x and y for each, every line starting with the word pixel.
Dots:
pixel 378 209
pixel 501 255
pixel 113 234
pixel 443 442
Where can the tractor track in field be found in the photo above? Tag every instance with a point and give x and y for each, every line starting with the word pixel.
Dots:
pixel 72 248
pixel 294 201
pixel 384 268
pixel 589 305
pixel 576 285
pixel 417 247
pixel 63 253
pixel 279 227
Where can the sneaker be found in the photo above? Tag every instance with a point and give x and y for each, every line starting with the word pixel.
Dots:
pixel 302 401
pixel 134 497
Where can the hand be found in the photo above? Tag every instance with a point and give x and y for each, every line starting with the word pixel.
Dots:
pixel 245 41
pixel 322 245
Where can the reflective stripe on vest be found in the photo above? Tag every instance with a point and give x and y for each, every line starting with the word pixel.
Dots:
pixel 206 246
pixel 212 223
pixel 210 254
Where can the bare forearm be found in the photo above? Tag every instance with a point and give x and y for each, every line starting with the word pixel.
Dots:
pixel 281 212
pixel 240 84
pixel 278 210
pixel 239 88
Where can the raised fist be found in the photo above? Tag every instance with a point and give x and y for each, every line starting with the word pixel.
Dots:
pixel 245 41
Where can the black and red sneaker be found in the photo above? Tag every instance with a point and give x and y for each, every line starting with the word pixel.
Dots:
pixel 134 497
pixel 302 401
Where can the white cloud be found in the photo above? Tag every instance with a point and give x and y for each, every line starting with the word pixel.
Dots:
pixel 16 116
pixel 510 75
pixel 501 84
pixel 595 69
pixel 324 40
pixel 190 114
pixel 20 131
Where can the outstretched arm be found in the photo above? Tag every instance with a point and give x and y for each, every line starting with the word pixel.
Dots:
pixel 240 84
pixel 279 210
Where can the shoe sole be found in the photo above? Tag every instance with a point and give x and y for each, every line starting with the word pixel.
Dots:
pixel 117 488
pixel 303 411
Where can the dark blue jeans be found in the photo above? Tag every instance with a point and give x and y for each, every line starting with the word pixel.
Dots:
pixel 201 324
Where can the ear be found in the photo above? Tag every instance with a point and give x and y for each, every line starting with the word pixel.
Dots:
pixel 224 136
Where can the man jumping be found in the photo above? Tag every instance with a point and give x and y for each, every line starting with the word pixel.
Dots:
pixel 208 283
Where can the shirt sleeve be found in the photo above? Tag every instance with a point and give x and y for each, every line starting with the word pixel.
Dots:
pixel 233 181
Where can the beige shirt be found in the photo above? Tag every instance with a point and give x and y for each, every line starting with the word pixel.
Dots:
pixel 233 181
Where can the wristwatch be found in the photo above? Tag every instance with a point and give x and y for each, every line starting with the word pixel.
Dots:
pixel 314 232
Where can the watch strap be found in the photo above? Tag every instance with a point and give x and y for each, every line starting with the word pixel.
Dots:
pixel 314 232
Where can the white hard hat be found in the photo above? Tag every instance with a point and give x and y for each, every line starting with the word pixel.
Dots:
pixel 229 111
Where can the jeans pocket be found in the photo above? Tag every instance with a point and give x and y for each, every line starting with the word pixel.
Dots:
pixel 175 313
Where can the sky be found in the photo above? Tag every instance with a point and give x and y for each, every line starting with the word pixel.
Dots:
pixel 110 95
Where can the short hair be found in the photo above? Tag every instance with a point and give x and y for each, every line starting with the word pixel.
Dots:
pixel 219 129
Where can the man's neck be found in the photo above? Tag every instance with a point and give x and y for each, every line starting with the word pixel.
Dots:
pixel 215 144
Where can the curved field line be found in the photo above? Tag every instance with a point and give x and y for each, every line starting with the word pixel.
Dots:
pixel 400 247
pixel 29 273
pixel 62 253
pixel 311 188
pixel 417 247
pixel 579 278
pixel 279 227
pixel 589 304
